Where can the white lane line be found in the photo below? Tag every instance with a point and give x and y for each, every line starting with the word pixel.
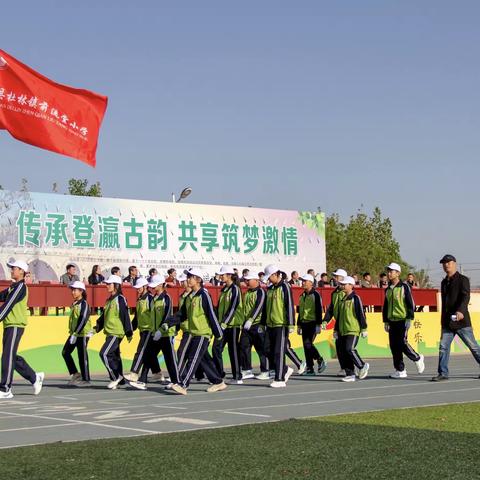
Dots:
pixel 36 428
pixel 169 406
pixel 65 398
pixel 248 414
pixel 188 421
pixel 79 422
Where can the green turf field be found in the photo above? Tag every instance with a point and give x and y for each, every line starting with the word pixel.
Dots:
pixel 422 443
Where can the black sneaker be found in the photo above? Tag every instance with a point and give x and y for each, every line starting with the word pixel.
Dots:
pixel 439 378
pixel 309 372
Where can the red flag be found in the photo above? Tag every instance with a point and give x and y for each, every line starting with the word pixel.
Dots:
pixel 43 113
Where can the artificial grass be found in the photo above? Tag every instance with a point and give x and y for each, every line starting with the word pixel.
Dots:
pixel 420 443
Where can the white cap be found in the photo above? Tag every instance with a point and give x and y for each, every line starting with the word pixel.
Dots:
pixel 196 272
pixel 226 269
pixel 77 284
pixel 114 279
pixel 340 273
pixel 19 264
pixel 182 277
pixel 251 276
pixel 307 277
pixel 141 282
pixel 394 266
pixel 156 280
pixel 347 281
pixel 270 270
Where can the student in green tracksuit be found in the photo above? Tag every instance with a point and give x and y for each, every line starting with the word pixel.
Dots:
pixel 143 320
pixel 279 317
pixel 230 316
pixel 115 322
pixel 332 310
pixel 13 314
pixel 184 342
pixel 202 325
pixel 253 333
pixel 398 311
pixel 349 326
pixel 162 340
pixel 80 330
pixel 309 323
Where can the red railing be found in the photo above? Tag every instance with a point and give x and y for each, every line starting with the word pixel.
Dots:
pixel 54 295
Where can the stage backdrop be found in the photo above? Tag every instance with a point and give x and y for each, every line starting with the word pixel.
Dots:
pixel 51 230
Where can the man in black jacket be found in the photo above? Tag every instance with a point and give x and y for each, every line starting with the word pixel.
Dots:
pixel 455 291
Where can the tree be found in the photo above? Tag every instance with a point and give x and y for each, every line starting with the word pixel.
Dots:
pixel 77 186
pixel 364 244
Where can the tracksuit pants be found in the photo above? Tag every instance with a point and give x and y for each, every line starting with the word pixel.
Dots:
pixel 110 355
pixel 230 338
pixel 292 355
pixel 12 362
pixel 197 355
pixel 308 339
pixel 348 355
pixel 278 340
pixel 181 355
pixel 80 344
pixel 166 346
pixel 141 352
pixel 397 335
pixel 254 337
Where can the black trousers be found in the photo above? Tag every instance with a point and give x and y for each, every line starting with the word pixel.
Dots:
pixel 12 362
pixel 81 346
pixel 197 355
pixel 164 345
pixel 397 335
pixel 230 338
pixel 348 355
pixel 110 355
pixel 254 337
pixel 142 347
pixel 292 355
pixel 181 355
pixel 308 338
pixel 278 341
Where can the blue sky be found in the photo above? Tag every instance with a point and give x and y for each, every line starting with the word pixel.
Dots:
pixel 342 105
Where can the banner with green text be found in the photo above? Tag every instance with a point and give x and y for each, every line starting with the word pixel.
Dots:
pixel 51 230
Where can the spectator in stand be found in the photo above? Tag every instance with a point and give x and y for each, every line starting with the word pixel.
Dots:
pixel 323 280
pixel 382 280
pixel 132 275
pixel 357 281
pixel 116 271
pixel 412 281
pixel 295 279
pixel 261 277
pixel 96 277
pixel 70 276
pixel 366 280
pixel 151 273
pixel 216 281
pixel 311 272
pixel 236 271
pixel 243 280
pixel 171 280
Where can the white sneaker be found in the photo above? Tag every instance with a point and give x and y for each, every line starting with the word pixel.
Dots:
pixel 7 394
pixel 169 386
pixel 217 387
pixel 420 364
pixel 302 368
pixel 363 372
pixel 114 383
pixel 131 377
pixel 157 377
pixel 341 373
pixel 348 378
pixel 396 374
pixel 263 376
pixel 138 385
pixel 235 382
pixel 75 378
pixel 37 386
pixel 178 389
pixel 271 374
pixel 247 375
pixel 289 373
pixel 276 384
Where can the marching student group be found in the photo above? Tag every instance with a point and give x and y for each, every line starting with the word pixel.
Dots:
pixel 262 318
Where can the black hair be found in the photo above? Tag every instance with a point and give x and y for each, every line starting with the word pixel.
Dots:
pixel 94 269
pixel 244 271
pixel 324 274
pixel 293 273
pixel 282 274
pixel 170 271
pixel 114 270
pixel 235 279
pixel 150 272
pixel 310 271
pixel 130 268
pixel 69 266
pixel 383 274
pixel 118 288
pixel 84 295
pixel 365 274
